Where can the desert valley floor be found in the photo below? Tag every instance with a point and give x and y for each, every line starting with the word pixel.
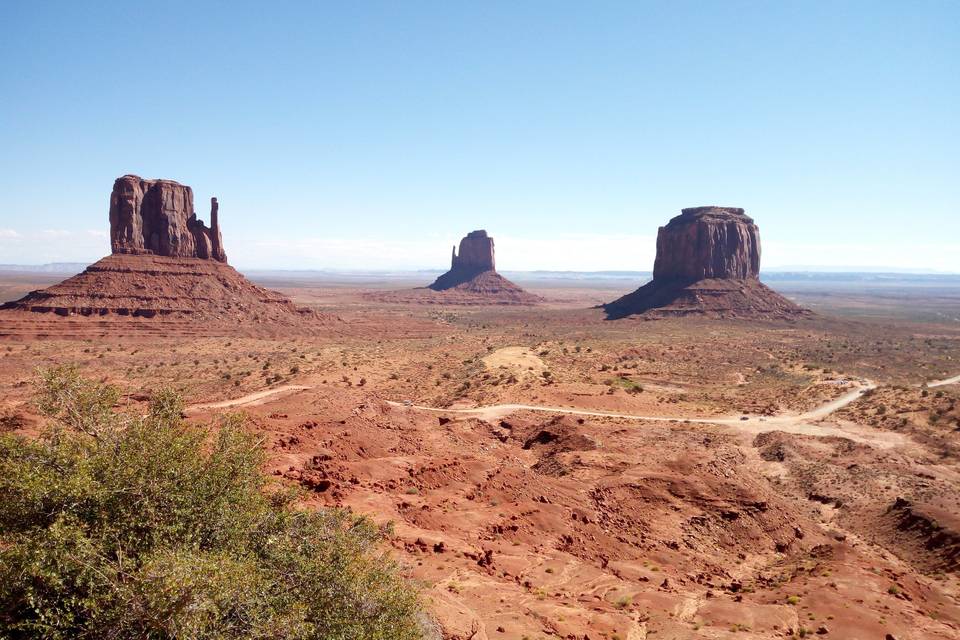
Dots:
pixel 552 474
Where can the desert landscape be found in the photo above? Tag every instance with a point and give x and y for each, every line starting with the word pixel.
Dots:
pixel 725 463
pixel 620 320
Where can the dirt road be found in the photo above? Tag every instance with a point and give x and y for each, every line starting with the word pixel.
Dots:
pixel 496 411
pixel 247 400
pixel 804 423
pixel 941 383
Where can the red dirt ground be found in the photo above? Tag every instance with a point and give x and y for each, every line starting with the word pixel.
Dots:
pixel 539 525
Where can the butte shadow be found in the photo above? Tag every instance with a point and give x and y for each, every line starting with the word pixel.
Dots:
pixel 707 264
pixel 165 263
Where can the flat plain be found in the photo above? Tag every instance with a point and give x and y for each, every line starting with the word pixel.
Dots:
pixel 553 474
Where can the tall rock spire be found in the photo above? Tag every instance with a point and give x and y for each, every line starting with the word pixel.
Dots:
pixel 216 240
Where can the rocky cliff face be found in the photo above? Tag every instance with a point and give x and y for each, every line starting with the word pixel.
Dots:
pixel 708 242
pixel 157 217
pixel 476 253
pixel 708 263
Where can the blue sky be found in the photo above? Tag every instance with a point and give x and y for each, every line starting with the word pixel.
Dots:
pixel 375 134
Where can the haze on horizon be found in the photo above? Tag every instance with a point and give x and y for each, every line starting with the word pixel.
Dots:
pixel 375 135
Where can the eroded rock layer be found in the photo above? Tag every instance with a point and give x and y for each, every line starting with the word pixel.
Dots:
pixel 719 297
pixel 149 286
pixel 708 263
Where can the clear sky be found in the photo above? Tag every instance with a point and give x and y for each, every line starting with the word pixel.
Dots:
pixel 375 134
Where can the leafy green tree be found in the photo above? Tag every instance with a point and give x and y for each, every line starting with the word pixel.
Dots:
pixel 121 526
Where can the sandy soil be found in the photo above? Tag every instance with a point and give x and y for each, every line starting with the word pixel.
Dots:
pixel 622 495
pixel 516 360
pixel 250 399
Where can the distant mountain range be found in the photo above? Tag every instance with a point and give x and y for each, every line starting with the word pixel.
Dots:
pixel 51 267
pixel 781 274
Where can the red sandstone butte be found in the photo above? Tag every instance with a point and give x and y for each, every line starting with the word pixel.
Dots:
pixel 708 263
pixel 473 275
pixel 157 217
pixel 165 263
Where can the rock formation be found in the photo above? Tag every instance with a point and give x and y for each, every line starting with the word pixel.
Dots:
pixel 476 256
pixel 708 242
pixel 476 253
pixel 708 263
pixel 473 276
pixel 157 217
pixel 165 263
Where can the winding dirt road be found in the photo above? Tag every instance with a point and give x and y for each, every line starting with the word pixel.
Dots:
pixel 248 400
pixel 496 411
pixel 803 423
pixel 941 383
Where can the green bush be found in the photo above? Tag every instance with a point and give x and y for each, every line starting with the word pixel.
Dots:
pixel 121 526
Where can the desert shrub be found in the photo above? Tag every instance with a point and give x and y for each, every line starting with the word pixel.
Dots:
pixel 625 383
pixel 114 525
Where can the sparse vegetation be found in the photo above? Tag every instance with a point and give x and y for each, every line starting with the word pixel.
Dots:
pixel 624 383
pixel 126 526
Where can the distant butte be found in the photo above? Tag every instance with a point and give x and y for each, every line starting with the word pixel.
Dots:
pixel 164 262
pixel 473 273
pixel 708 263
pixel 476 256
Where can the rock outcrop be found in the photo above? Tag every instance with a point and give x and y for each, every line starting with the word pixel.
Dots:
pixel 149 286
pixel 168 265
pixel 473 278
pixel 708 263
pixel 476 256
pixel 476 253
pixel 156 217
pixel 708 242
